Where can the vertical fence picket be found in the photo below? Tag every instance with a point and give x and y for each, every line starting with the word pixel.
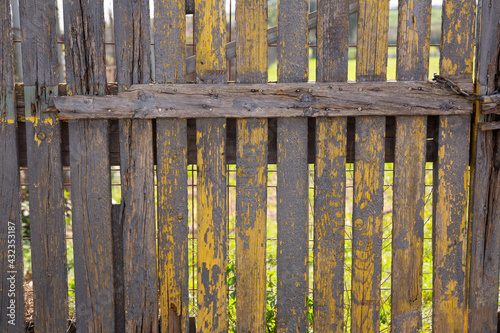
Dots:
pixel 170 63
pixel 330 178
pixel 43 139
pixel 251 176
pixel 90 170
pixel 451 175
pixel 11 242
pixel 210 39
pixel 484 207
pixel 292 189
pixel 371 65
pixel 409 172
pixel 132 42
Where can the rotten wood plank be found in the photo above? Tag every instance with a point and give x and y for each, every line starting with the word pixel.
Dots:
pixel 409 172
pixel 483 262
pixel 137 172
pixel 90 169
pixel 210 37
pixel 329 202
pixel 268 100
pixel 292 187
pixel 171 140
pixel 11 242
pixel 47 223
pixel 251 176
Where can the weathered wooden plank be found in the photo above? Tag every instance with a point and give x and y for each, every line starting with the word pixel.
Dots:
pixel 483 262
pixel 48 236
pixel 90 169
pixel 137 171
pixel 449 224
pixel 251 176
pixel 212 225
pixel 409 172
pixel 372 43
pixel 11 243
pixel 173 224
pixel 292 188
pixel 329 223
pixel 268 100
pixel 210 37
pixel 451 175
pixel 367 224
pixel 329 202
pixel 170 62
pixel 371 65
pixel 138 221
pixel 332 41
pixel 490 104
pixel 457 40
pixel 408 224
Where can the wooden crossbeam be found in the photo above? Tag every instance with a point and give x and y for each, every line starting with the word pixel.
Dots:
pixel 267 101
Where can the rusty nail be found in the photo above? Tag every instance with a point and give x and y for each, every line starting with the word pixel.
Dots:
pixel 360 89
pixel 410 89
pixel 109 110
pixel 204 106
pixel 175 90
pixel 360 108
pixel 298 90
pixel 211 91
pixel 253 90
pixel 259 109
pixel 310 109
pixel 340 89
pixel 210 109
pixel 420 88
pixel 310 90
pixel 180 217
pixel 41 135
pixel 260 90
pixel 159 90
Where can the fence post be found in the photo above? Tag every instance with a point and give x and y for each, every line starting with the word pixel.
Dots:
pixel 483 261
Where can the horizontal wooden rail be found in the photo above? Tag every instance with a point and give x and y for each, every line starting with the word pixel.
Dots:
pixel 267 101
pixel 491 104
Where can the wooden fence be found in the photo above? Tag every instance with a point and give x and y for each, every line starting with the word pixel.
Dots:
pixel 131 264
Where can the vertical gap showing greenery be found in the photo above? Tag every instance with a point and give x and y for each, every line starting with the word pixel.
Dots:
pixel 192 238
pixel 349 202
pixel 385 292
pixel 427 255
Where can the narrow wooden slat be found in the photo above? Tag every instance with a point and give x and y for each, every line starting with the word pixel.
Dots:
pixel 332 40
pixel 47 224
pixel 329 202
pixel 11 242
pixel 170 62
pixel 409 172
pixel 210 37
pixel 137 172
pixel 292 208
pixel 408 224
pixel 251 176
pixel 90 170
pixel 449 224
pixel 329 223
pixel 483 262
pixel 371 65
pixel 451 176
pixel 367 224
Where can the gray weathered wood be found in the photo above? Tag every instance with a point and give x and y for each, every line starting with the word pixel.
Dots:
pixel 11 242
pixel 268 100
pixel 90 169
pixel 483 262
pixel 171 140
pixel 491 103
pixel 329 202
pixel 47 223
pixel 210 39
pixel 137 172
pixel 293 192
pixel 251 175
